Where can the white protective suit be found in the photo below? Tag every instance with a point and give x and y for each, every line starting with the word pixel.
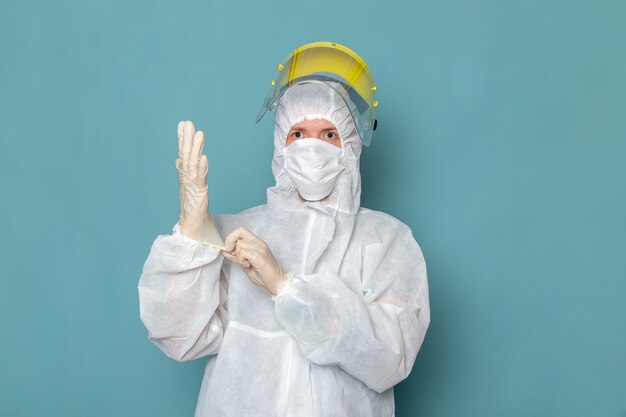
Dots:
pixel 343 330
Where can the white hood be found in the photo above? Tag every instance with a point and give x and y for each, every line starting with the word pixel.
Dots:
pixel 317 100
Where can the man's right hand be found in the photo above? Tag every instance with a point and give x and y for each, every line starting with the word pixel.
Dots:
pixel 192 168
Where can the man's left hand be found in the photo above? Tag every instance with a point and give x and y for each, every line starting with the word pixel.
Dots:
pixel 256 259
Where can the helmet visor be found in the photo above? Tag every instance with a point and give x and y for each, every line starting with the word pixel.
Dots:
pixel 327 61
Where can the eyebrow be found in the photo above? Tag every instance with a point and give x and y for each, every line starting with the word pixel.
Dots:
pixel 323 130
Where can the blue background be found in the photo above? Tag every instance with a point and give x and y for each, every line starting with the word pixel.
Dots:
pixel 501 143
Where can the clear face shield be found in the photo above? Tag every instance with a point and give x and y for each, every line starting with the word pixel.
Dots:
pixel 324 62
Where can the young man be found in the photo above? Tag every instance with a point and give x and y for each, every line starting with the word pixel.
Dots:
pixel 316 306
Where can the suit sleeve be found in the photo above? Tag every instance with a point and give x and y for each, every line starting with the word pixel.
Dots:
pixel 374 332
pixel 182 297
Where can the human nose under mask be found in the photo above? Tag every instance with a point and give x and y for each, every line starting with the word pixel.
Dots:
pixel 313 165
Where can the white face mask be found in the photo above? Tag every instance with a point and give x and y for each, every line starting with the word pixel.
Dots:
pixel 313 166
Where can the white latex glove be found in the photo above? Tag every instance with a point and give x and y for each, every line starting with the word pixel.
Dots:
pixel 192 168
pixel 256 259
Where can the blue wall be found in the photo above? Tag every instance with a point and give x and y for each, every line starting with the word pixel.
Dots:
pixel 501 142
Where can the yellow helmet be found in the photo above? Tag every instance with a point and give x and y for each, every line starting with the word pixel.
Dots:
pixel 329 61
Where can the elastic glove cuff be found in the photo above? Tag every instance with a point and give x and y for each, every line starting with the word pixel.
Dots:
pixel 285 286
pixel 177 232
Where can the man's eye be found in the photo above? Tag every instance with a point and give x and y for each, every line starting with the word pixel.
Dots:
pixel 330 135
pixel 297 135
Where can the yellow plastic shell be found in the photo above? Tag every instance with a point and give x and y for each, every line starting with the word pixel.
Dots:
pixel 330 61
